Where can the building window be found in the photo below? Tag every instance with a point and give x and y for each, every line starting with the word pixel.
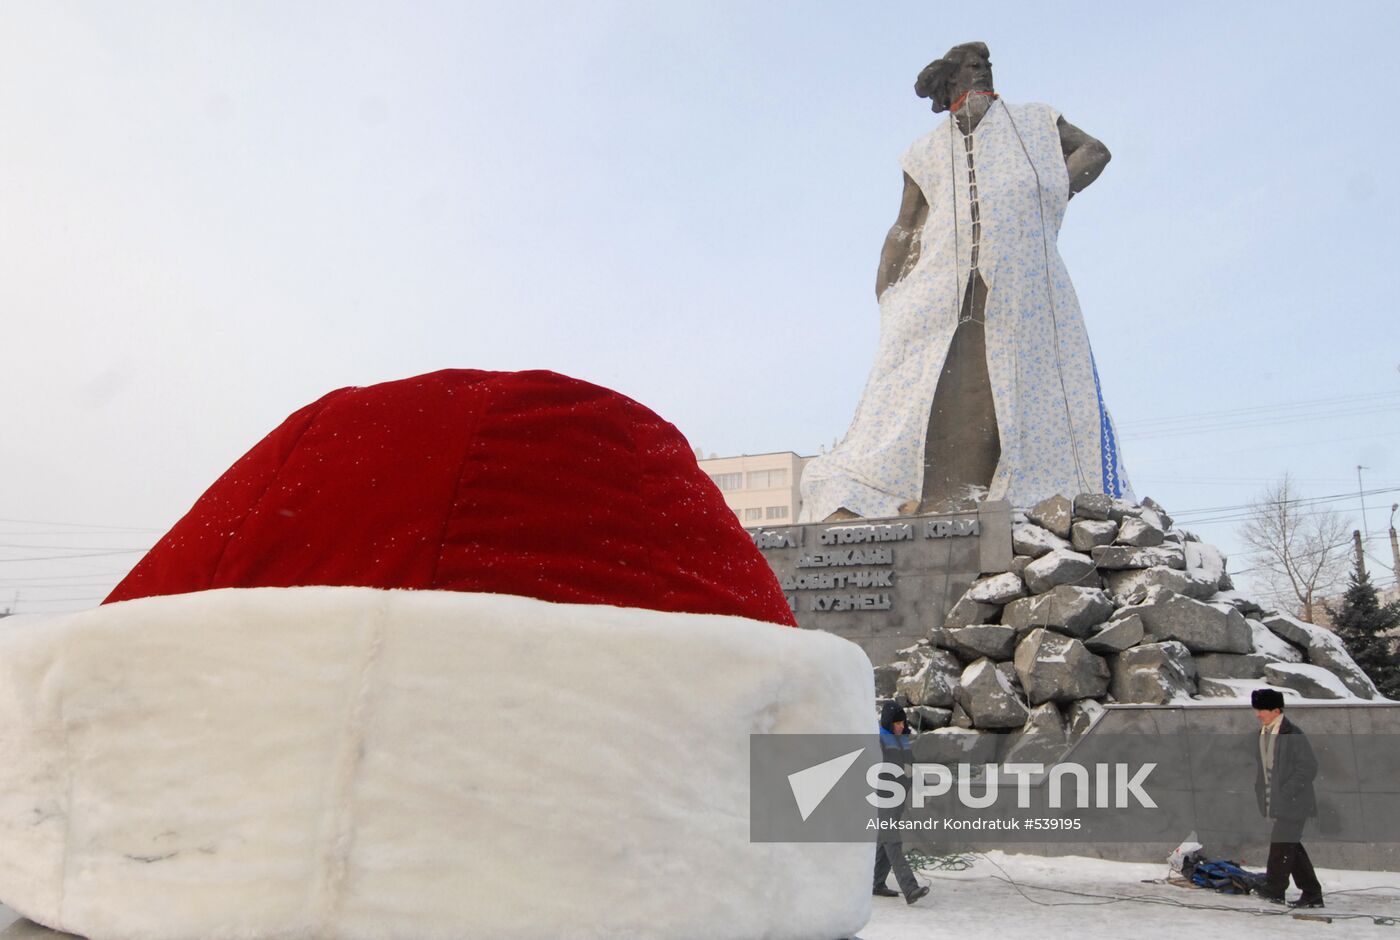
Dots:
pixel 766 479
pixel 751 514
pixel 728 481
pixel 777 512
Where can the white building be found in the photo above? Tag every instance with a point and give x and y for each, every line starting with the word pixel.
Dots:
pixel 762 489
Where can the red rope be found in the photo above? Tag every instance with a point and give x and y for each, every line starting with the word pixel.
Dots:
pixel 962 99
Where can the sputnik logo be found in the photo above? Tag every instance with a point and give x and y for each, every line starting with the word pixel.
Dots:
pixel 811 786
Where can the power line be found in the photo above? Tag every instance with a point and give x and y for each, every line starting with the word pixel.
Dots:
pixel 1245 510
pixel 129 551
pixel 1210 428
pixel 1277 406
pixel 76 548
pixel 84 525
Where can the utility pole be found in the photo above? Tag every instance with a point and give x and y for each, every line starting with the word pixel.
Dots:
pixel 1361 495
pixel 1394 543
pixel 1360 552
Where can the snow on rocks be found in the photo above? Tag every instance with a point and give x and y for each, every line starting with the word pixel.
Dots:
pixel 1201 627
pixel 1205 566
pixel 1309 681
pixel 1060 566
pixel 1139 533
pixel 1113 614
pixel 1271 644
pixel 1032 540
pixel 925 718
pixel 988 698
pixel 1093 506
pixel 1059 668
pixel 1091 533
pixel 929 677
pixel 953 746
pixel 1125 584
pixel 1325 649
pixel 1074 611
pixel 967 611
pixel 1233 665
pixel 1043 738
pixel 1117 635
pixel 1154 674
pixel 997 589
pixel 1332 656
pixel 1117 557
pixel 1054 514
pixel 974 641
pixel 1295 631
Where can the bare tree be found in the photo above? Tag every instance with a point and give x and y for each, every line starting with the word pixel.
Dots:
pixel 1299 551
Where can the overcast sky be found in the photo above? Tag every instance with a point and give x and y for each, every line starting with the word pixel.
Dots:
pixel 213 213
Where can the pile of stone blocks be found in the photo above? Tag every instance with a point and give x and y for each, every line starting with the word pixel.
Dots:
pixel 1105 602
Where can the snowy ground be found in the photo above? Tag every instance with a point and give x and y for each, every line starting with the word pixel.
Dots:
pixel 1046 902
pixel 982 902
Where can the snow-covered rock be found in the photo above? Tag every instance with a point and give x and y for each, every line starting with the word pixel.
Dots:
pixel 1308 680
pixel 1331 655
pixel 1154 674
pixel 1298 632
pixel 1205 569
pixel 1201 628
pixel 1232 665
pixel 1139 533
pixel 1272 645
pixel 923 718
pixel 1033 540
pixel 1054 514
pixel 929 678
pixel 967 611
pixel 993 640
pixel 953 746
pixel 1058 668
pixel 1325 649
pixel 1129 582
pixel 1095 506
pixel 988 698
pixel 1117 635
pixel 1043 739
pixel 1000 588
pixel 1061 566
pixel 1090 534
pixel 1118 557
pixel 1067 609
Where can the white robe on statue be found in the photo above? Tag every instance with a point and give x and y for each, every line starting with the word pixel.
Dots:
pixel 1056 434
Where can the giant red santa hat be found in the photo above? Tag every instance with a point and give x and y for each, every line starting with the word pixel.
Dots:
pixel 467 654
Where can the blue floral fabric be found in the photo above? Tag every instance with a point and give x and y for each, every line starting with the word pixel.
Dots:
pixel 1056 434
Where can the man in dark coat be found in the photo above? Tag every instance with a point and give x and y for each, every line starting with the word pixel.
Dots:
pixel 889 849
pixel 1284 789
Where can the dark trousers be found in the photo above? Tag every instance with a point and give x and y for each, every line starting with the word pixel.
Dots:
pixel 1288 858
pixel 891 855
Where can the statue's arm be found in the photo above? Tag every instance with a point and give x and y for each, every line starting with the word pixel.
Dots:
pixel 1085 157
pixel 901 250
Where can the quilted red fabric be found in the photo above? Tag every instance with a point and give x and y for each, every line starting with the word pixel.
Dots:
pixel 525 483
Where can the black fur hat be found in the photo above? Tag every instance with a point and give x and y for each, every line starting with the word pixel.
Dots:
pixel 891 713
pixel 1266 699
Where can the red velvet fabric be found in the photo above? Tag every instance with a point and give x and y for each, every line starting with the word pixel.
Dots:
pixel 526 483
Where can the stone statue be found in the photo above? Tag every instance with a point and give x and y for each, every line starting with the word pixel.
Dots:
pixel 984 385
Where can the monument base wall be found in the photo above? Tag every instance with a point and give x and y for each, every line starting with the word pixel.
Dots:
pixel 885 583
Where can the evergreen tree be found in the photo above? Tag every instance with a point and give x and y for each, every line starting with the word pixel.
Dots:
pixel 1361 622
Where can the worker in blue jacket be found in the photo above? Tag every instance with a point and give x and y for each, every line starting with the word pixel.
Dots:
pixel 889 850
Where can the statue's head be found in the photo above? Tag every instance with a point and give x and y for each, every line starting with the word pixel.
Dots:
pixel 965 67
